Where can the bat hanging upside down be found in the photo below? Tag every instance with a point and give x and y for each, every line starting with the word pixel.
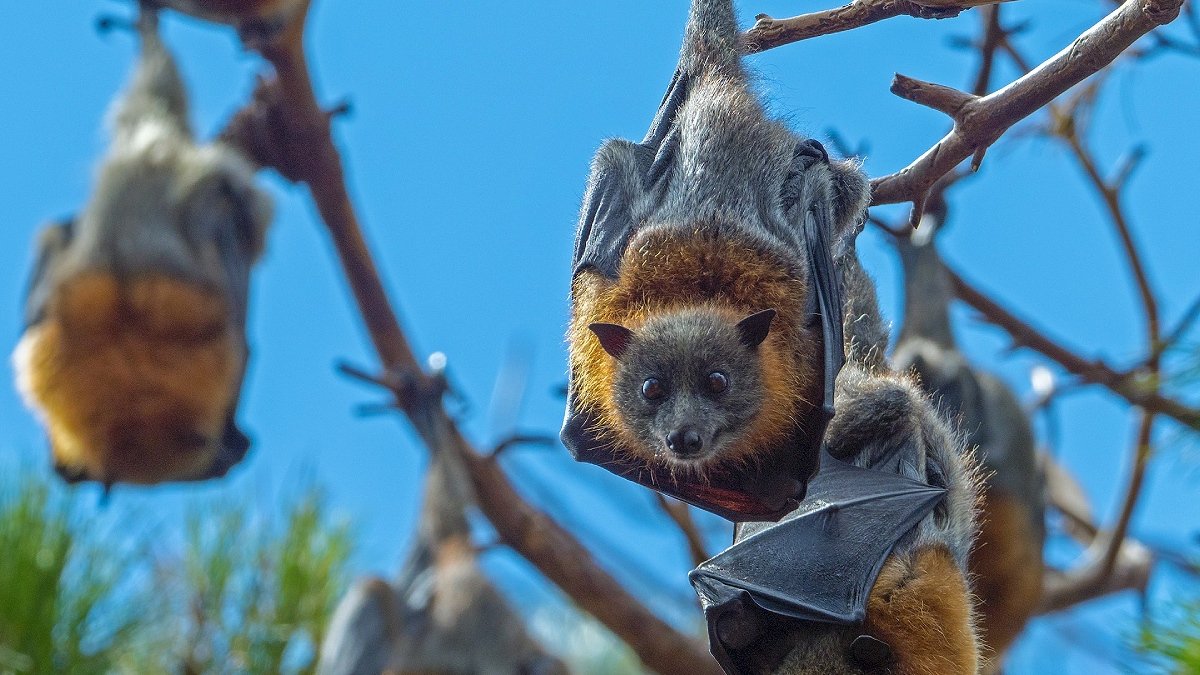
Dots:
pixel 705 336
pixel 134 350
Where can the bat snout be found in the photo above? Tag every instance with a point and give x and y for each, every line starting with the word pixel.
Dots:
pixel 685 442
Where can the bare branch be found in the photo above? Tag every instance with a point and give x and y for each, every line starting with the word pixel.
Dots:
pixel 1129 386
pixel 1130 571
pixel 284 128
pixel 681 514
pixel 983 121
pixel 993 33
pixel 1111 196
pixel 939 97
pixel 1133 493
pixel 769 33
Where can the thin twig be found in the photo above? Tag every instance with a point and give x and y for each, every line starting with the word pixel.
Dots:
pixel 1133 492
pixel 769 33
pixel 981 122
pixel 1129 386
pixel 681 515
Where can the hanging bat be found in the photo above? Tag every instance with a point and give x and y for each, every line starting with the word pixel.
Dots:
pixel 134 347
pixel 442 615
pixel 868 575
pixel 1007 560
pixel 706 327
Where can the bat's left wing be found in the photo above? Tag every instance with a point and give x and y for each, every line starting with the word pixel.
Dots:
pixel 625 176
pixel 820 563
pixel 52 243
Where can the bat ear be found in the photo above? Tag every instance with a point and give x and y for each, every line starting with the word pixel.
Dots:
pixel 754 328
pixel 614 338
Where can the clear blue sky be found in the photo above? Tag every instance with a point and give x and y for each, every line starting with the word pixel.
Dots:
pixel 467 152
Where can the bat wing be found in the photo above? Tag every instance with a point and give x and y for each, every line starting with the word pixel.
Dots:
pixel 238 240
pixel 820 563
pixel 52 242
pixel 608 219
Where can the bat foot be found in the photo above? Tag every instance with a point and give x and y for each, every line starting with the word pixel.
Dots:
pixel 71 475
pixel 107 23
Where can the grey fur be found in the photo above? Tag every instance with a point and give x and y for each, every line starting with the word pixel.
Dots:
pixel 681 351
pixel 163 203
pixel 441 614
pixel 989 412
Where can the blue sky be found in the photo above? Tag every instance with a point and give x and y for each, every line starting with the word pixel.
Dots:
pixel 467 151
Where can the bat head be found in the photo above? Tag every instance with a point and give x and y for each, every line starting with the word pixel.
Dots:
pixel 687 384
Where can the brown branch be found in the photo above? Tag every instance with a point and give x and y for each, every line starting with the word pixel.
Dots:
pixel 284 128
pixel 1133 492
pixel 993 33
pixel 1131 571
pixel 1110 194
pixel 681 515
pixel 1130 386
pixel 769 33
pixel 983 121
pixel 939 97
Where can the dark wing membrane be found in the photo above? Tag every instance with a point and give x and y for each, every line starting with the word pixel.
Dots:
pixel 52 242
pixel 607 221
pixel 820 563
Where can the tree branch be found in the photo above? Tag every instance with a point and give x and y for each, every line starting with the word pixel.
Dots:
pixel 981 122
pixel 769 33
pixel 681 514
pixel 1130 571
pixel 1129 386
pixel 284 128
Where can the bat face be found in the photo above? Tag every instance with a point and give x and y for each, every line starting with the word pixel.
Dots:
pixel 687 385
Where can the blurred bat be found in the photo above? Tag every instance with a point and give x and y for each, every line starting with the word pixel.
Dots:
pixel 1007 560
pixel 134 348
pixel 442 615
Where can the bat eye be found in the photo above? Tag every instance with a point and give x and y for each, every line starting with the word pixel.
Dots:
pixel 867 652
pixel 653 390
pixel 718 382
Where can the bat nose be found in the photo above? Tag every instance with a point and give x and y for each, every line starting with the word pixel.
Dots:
pixel 685 442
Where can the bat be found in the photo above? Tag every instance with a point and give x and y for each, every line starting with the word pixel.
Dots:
pixel 1007 560
pixel 706 330
pixel 134 348
pixel 441 615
